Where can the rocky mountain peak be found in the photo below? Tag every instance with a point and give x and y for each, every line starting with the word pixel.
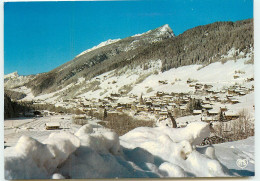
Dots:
pixel 164 30
pixel 11 75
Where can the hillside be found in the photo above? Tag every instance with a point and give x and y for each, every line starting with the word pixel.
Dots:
pixel 200 45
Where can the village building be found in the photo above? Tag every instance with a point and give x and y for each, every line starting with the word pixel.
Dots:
pixel 52 125
pixel 163 114
pixel 213 112
pixel 197 112
pixel 236 76
pixel 231 115
pixel 223 108
pixel 207 86
pixel 207 106
pixel 209 91
pixel 233 101
pixel 160 94
pixel 192 85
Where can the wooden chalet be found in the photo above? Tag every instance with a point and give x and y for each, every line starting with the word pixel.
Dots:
pixel 213 113
pixel 52 125
pixel 230 115
pixel 197 112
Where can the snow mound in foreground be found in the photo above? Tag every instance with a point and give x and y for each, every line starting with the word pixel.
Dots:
pixel 144 152
pixel 32 159
pixel 175 147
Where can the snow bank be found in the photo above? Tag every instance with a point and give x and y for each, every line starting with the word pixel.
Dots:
pixel 143 153
pixel 30 159
pixel 104 142
pixel 175 148
pixel 171 170
pixel 194 133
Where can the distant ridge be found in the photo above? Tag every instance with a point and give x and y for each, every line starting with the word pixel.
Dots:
pixel 200 45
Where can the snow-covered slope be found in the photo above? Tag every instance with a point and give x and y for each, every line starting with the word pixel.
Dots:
pixel 98 46
pixel 230 153
pixel 11 75
pixel 139 80
pixel 15 80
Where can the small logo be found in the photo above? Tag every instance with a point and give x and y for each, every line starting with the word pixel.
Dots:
pixel 242 163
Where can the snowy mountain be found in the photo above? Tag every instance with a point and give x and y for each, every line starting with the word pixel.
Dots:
pixel 200 45
pixel 15 80
pixel 98 46
pixel 11 75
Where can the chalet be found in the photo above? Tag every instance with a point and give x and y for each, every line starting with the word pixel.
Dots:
pixel 230 115
pixel 198 86
pixel 241 93
pixel 86 104
pixel 223 91
pixel 163 81
pixel 112 113
pixel 80 117
pixel 156 105
pixel 213 113
pixel 236 76
pixel 167 97
pixel 183 107
pixel 94 109
pixel 209 91
pixel 233 101
pixel 52 125
pixel 115 95
pixel 157 110
pixel 198 91
pixel 189 81
pixel 197 112
pixel 192 85
pixel 172 104
pixel 119 109
pixel 229 96
pixel 185 100
pixel 250 79
pixel 207 86
pixel 207 106
pixel 148 103
pixel 223 108
pixel 140 108
pixel 163 113
pixel 169 107
pixel 212 99
pixel 216 92
pixel 160 94
pixel 153 97
pixel 207 98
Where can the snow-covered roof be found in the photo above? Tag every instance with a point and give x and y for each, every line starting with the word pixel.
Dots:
pixel 197 111
pixel 53 124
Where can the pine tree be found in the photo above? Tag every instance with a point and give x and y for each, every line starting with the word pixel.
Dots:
pixel 105 114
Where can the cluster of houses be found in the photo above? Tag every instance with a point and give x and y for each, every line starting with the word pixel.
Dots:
pixel 162 103
pixel 212 102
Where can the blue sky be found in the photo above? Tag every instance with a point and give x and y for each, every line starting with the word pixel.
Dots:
pixel 40 36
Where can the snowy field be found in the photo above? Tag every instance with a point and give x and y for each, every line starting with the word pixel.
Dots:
pixel 91 151
pixel 35 127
